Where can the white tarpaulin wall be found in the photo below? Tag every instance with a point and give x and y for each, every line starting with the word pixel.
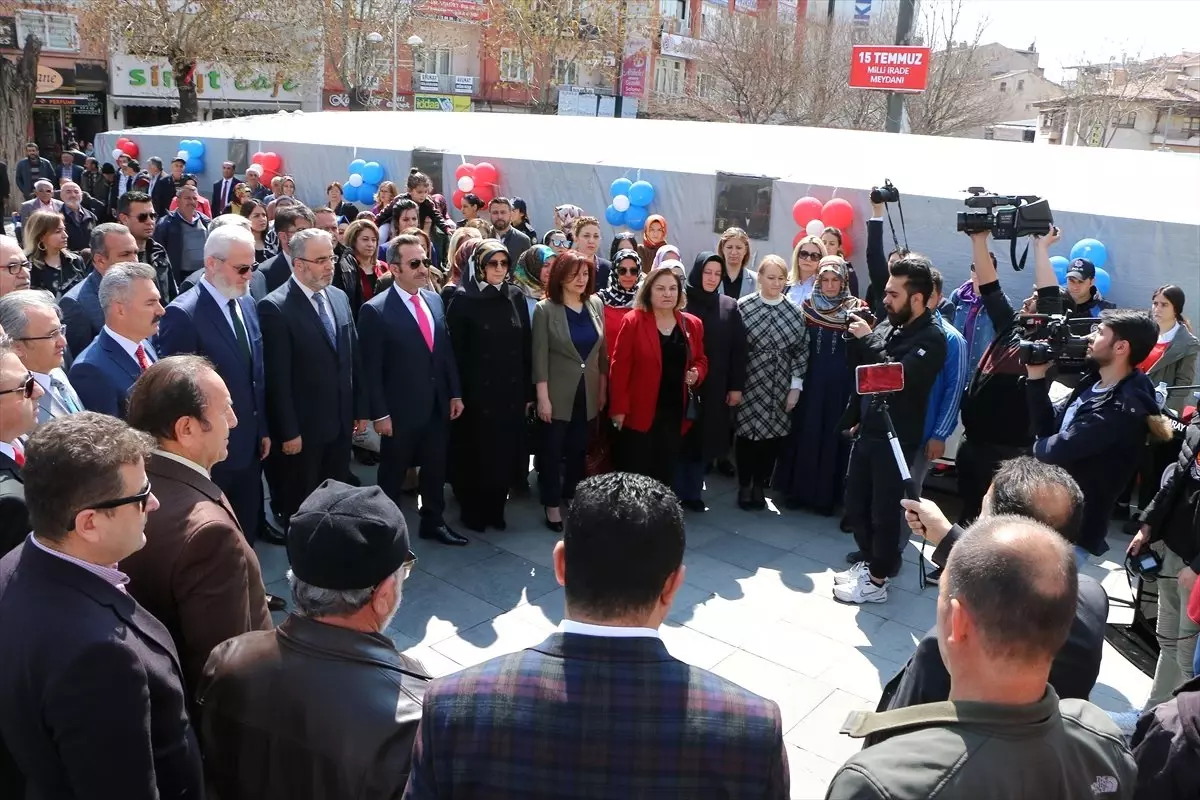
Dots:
pixel 1145 206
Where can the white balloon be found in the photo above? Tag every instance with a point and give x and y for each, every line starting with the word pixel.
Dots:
pixel 466 183
pixel 354 180
pixel 621 202
pixel 117 153
pixel 183 154
pixel 815 228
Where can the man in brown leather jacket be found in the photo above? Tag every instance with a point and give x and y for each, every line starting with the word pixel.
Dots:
pixel 324 707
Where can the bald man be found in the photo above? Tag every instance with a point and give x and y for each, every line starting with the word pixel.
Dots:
pixel 1006 605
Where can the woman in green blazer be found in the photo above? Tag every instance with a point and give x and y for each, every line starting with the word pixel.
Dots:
pixel 570 371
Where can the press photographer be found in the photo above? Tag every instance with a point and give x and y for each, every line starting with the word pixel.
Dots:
pixel 1098 433
pixel 995 422
pixel 873 483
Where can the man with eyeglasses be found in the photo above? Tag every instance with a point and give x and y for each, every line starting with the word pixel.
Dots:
pixel 34 324
pixel 19 398
pixel 327 693
pixel 412 383
pixel 43 200
pixel 110 244
pixel 315 391
pixel 197 573
pixel 326 219
pixel 14 266
pixel 136 212
pixel 92 697
pixel 217 319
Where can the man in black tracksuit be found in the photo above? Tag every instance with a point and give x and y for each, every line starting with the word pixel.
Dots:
pixel 874 487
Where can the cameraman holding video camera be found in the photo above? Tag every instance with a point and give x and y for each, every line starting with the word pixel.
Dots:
pixel 874 486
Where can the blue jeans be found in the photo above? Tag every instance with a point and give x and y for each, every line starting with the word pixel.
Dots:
pixel 689 479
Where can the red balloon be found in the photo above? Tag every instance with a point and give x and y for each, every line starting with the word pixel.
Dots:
pixel 838 213
pixel 129 148
pixel 847 246
pixel 272 162
pixel 796 241
pixel 121 141
pixel 486 174
pixel 457 198
pixel 257 157
pixel 484 192
pixel 464 171
pixel 806 210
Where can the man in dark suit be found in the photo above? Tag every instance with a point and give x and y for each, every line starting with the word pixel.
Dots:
pixel 222 190
pixel 278 268
pixel 110 244
pixel 19 398
pixel 412 383
pixel 258 190
pixel 14 266
pixel 217 320
pixel 162 188
pixel 69 171
pixel 105 371
pixel 315 393
pixel 92 701
pixel 197 573
pixel 34 323
pixel 625 712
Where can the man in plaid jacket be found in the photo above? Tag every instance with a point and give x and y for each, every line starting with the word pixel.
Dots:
pixel 601 709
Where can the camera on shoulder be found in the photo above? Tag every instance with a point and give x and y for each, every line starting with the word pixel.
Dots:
pixel 1054 337
pixel 1005 216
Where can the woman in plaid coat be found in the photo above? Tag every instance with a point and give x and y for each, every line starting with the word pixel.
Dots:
pixel 776 364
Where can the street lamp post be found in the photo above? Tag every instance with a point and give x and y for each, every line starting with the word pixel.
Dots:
pixel 375 38
pixel 414 42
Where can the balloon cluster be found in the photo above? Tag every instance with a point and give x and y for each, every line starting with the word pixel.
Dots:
pixel 813 218
pixel 192 152
pixel 480 179
pixel 125 147
pixel 630 203
pixel 364 180
pixel 1091 249
pixel 271 164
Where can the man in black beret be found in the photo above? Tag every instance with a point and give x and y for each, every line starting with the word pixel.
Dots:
pixel 326 694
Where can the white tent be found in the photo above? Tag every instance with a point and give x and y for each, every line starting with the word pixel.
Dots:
pixel 1145 206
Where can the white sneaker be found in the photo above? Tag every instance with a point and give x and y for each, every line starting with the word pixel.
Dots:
pixel 864 591
pixel 852 575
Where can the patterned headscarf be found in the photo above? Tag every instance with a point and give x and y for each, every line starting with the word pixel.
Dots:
pixel 486 250
pixel 565 216
pixel 665 252
pixel 527 274
pixel 614 294
pixel 831 308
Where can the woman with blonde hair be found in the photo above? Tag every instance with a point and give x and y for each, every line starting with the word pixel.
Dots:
pixel 738 280
pixel 776 363
pixel 52 266
pixel 802 277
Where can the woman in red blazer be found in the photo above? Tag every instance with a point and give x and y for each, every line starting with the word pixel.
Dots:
pixel 658 356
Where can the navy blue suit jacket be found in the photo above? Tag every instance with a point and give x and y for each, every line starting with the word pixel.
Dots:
pixel 276 270
pixel 82 313
pixel 404 379
pixel 104 373
pixel 194 323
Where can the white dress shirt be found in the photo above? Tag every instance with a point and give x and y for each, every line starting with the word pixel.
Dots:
pixel 310 294
pixel 610 631
pixel 128 345
pixel 44 381
pixel 187 462
pixel 223 304
pixel 7 449
pixel 407 298
pixel 223 195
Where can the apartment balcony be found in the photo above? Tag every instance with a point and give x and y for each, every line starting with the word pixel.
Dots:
pixel 431 83
pixel 1176 138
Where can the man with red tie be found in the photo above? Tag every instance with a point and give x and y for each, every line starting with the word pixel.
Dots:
pixel 222 191
pixel 412 383
pixel 104 373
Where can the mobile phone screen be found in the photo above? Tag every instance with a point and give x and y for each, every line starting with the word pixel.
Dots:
pixel 879 378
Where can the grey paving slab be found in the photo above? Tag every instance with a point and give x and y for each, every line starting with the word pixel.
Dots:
pixel 796 694
pixel 432 610
pixel 503 579
pixel 741 551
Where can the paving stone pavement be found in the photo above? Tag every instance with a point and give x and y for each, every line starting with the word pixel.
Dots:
pixel 756 607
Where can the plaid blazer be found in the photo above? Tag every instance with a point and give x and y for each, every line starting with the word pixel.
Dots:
pixel 595 717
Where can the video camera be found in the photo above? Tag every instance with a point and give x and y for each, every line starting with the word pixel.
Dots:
pixel 888 193
pixel 1005 216
pixel 1054 337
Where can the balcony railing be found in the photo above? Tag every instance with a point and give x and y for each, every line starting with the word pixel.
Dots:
pixel 429 83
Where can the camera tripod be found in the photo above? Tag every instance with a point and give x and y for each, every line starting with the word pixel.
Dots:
pixel 911 490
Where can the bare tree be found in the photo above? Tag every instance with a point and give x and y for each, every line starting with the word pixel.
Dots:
pixel 359 42
pixel 18 86
pixel 1102 97
pixel 235 35
pixel 957 97
pixel 542 44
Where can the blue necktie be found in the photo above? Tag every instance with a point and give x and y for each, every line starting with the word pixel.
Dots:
pixel 63 395
pixel 326 322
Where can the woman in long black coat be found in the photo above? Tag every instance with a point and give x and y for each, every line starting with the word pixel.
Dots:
pixel 490 332
pixel 725 345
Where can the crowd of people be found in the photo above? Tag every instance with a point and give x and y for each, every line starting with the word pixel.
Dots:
pixel 159 363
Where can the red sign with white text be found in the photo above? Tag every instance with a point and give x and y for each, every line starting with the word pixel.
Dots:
pixel 891 68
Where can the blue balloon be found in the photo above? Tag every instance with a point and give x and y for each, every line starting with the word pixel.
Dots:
pixel 1060 268
pixel 615 217
pixel 193 147
pixel 636 216
pixel 350 193
pixel 199 148
pixel 372 173
pixel 366 192
pixel 641 194
pixel 619 187
pixel 1103 281
pixel 1091 249
pixel 356 166
pixel 195 164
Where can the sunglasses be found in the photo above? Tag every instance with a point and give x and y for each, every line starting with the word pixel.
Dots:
pixel 26 387
pixel 809 255
pixel 558 243
pixel 242 269
pixel 145 216
pixel 61 330
pixel 498 262
pixel 141 498
pixel 16 267
pixel 627 270
pixel 413 263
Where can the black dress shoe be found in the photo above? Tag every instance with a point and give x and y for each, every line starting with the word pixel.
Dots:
pixel 276 603
pixel 444 534
pixel 557 527
pixel 935 576
pixel 745 498
pixel 694 505
pixel 271 536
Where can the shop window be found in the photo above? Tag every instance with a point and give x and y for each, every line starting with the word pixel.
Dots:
pixel 57 31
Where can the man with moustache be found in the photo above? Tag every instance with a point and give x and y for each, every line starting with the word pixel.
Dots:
pixel 34 324
pixel 110 244
pixel 77 219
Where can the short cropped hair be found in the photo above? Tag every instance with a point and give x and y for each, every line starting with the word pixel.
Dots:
pixel 500 201
pixel 286 216
pixel 166 392
pixel 624 537
pixel 1025 487
pixel 115 285
pixel 129 198
pixel 220 239
pixel 1137 328
pixel 564 269
pixel 394 245
pixel 917 271
pixel 301 240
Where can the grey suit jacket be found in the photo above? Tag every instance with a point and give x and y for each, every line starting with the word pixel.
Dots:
pixel 50 408
pixel 557 363
pixel 1177 367
pixel 30 206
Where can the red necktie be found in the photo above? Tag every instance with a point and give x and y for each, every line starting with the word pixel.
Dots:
pixel 423 321
pixel 142 360
pixel 18 456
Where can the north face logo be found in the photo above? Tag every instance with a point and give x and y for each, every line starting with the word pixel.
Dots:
pixel 1105 784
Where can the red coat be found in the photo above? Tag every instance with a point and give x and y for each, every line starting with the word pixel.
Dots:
pixel 613 317
pixel 636 367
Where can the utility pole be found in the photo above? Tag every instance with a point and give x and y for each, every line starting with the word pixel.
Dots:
pixel 896 120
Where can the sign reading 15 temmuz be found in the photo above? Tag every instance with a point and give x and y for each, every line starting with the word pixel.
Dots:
pixel 892 68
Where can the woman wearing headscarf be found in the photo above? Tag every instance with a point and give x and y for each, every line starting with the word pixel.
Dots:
pixel 665 253
pixel 460 269
pixel 623 282
pixel 725 345
pixel 813 464
pixel 490 332
pixel 532 272
pixel 624 240
pixel 654 236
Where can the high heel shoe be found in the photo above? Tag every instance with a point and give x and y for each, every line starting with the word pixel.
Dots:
pixel 557 527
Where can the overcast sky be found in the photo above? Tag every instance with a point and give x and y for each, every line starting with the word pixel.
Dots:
pixel 1074 31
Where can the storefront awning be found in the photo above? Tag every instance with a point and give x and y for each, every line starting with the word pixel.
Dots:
pixel 206 102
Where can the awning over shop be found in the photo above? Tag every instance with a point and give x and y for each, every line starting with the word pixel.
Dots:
pixel 205 102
